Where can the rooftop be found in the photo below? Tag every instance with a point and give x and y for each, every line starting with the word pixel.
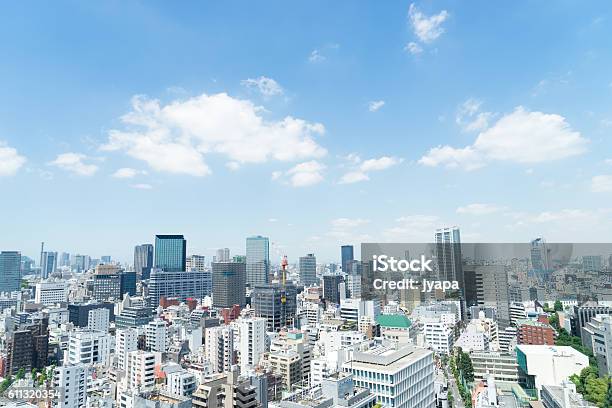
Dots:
pixel 394 320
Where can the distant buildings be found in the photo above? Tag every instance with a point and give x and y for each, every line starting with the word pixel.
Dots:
pixel 346 256
pixel 257 260
pixel 10 271
pixel 197 262
pixel 308 270
pixel 143 260
pixel 223 255
pixel 333 288
pixel 51 292
pixel 180 284
pixel 170 253
pixel 48 264
pixel 229 284
pixel 448 254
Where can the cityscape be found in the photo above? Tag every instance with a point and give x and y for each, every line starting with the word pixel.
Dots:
pixel 529 325
pixel 316 204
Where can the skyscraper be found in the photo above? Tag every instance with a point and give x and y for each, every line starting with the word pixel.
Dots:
pixel 229 283
pixel 170 253
pixel 257 260
pixel 308 270
pixel 143 260
pixel 223 255
pixel 49 264
pixel 10 271
pixel 346 252
pixel 267 301
pixel 448 254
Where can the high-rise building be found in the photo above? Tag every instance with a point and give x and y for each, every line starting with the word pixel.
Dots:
pixel 197 262
pixel 81 263
pixel 72 380
pixel 105 259
pixel 448 254
pixel 107 283
pixel 229 281
pixel 276 303
pixel 49 264
pixel 223 255
pixel 186 284
pixel 89 347
pixel 487 286
pixel 98 320
pixel 157 336
pixel 540 259
pixel 219 348
pixel 10 271
pixel 257 260
pixel 332 288
pixel 308 270
pixel 126 341
pixel 64 259
pixel 170 253
pixel 252 343
pixel 143 260
pixel 346 254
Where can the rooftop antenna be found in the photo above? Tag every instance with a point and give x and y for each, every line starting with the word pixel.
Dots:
pixel 42 250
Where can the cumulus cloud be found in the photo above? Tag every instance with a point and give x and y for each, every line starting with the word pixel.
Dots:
pixel 303 174
pixel 520 137
pixel 74 163
pixel 265 86
pixel 360 173
pixel 127 172
pixel 479 209
pixel 601 183
pixel 10 160
pixel 316 56
pixel 414 227
pixel 373 106
pixel 427 28
pixel 176 137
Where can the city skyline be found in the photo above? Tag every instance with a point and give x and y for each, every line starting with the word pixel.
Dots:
pixel 124 156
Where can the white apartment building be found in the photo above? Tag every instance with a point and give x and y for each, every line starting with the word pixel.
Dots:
pixel 597 335
pixel 438 335
pixel 156 333
pixel 399 378
pixel 126 341
pixel 72 380
pixel 252 341
pixel 50 293
pixel 98 320
pixel 89 347
pixel 141 369
pixel 219 347
pixel 181 383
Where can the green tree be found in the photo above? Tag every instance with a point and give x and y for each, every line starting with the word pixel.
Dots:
pixel 20 374
pixel 558 306
pixel 608 402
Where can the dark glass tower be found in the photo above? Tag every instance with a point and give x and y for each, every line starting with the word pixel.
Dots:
pixel 10 271
pixel 346 251
pixel 170 253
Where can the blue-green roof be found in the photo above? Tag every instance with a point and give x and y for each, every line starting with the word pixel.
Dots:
pixel 395 320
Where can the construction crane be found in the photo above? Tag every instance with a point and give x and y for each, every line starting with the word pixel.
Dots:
pixel 284 264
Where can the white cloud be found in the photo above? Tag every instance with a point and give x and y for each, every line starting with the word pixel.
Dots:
pixel 353 177
pixel 348 222
pixel 601 183
pixel 306 174
pixel 266 86
pixel 142 186
pixel 367 166
pixel 233 166
pixel 10 160
pixel 419 227
pixel 373 106
pixel 470 118
pixel 316 56
pixel 413 48
pixel 521 137
pixel 427 28
pixel 127 172
pixel 479 209
pixel 176 137
pixel 272 219
pixel 74 163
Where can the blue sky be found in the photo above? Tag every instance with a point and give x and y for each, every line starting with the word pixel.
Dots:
pixel 315 124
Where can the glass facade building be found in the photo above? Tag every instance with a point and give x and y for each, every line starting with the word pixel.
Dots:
pixel 257 260
pixel 170 253
pixel 347 255
pixel 10 271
